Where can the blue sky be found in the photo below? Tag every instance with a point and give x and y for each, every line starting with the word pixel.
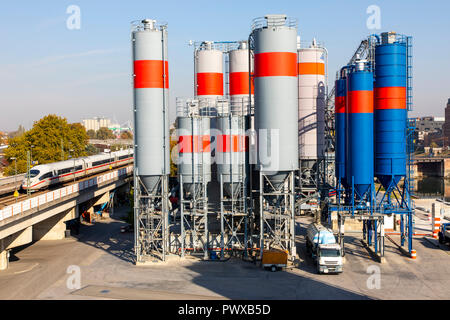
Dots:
pixel 47 68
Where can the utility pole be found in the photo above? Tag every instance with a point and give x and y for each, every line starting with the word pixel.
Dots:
pixel 62 149
pixel 71 155
pixel 28 172
pixel 16 194
pixel 31 154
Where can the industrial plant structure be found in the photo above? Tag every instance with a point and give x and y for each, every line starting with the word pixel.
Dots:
pixel 262 134
pixel 151 123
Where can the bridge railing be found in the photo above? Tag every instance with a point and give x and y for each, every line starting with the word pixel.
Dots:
pixel 51 196
pixel 8 180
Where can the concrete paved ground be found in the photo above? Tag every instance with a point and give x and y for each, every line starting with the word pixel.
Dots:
pixel 104 256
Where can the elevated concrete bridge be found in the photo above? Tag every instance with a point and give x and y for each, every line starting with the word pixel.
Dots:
pixel 431 166
pixel 42 217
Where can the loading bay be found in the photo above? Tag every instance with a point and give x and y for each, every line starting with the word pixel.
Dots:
pixel 102 259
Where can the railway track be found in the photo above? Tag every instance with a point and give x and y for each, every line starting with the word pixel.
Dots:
pixel 9 199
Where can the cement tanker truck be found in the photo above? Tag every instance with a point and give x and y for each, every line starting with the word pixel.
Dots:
pixel 322 245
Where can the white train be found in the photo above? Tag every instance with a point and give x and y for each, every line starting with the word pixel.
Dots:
pixel 44 175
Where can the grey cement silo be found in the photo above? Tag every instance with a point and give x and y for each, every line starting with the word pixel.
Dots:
pixel 276 95
pixel 231 148
pixel 151 91
pixel 194 151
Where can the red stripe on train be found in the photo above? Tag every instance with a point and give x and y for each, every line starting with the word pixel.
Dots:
pixel 71 173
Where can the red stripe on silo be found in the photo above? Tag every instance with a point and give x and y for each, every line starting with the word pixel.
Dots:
pixel 360 101
pixel 206 143
pixel 239 83
pixel 339 105
pixel 196 144
pixel 311 68
pixel 233 143
pixel 209 83
pixel 270 64
pixel 390 98
pixel 150 74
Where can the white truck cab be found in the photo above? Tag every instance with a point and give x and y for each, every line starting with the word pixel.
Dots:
pixel 329 258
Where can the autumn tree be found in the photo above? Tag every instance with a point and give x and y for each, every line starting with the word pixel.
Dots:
pixel 126 135
pixel 173 165
pixel 104 134
pixel 91 134
pixel 51 137
pixel 115 147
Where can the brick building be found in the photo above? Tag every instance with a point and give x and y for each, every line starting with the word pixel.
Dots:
pixel 446 126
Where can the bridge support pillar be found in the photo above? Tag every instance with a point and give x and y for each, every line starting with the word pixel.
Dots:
pixel 4 256
pixel 4 259
pixel 54 227
pixel 14 240
pixel 446 168
pixel 102 199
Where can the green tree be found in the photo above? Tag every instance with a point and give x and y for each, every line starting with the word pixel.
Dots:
pixel 91 150
pixel 50 136
pixel 104 133
pixel 91 134
pixel 126 135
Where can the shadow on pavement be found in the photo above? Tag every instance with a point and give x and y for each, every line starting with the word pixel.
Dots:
pixel 107 237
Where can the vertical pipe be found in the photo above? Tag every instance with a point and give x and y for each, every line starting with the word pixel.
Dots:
pixel 183 235
pixel 261 215
pixel 402 230
pixel 136 214
pixel 222 243
pixel 292 224
pixel 205 211
pixel 375 240
pixel 165 214
pixel 410 233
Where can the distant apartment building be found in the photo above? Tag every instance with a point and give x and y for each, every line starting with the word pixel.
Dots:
pixel 96 123
pixel 429 124
pixel 429 129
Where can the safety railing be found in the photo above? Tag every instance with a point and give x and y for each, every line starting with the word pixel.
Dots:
pixel 279 20
pixel 51 196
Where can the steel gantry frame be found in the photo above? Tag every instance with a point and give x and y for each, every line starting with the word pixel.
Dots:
pixel 151 219
pixel 194 209
pixel 234 208
pixel 276 214
pixel 194 220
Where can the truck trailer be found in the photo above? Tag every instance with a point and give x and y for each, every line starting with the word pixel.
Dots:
pixel 325 251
